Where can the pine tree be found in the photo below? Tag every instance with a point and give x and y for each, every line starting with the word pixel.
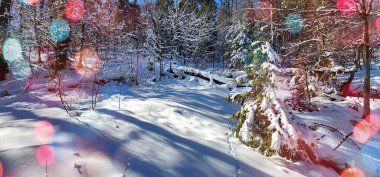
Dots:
pixel 238 41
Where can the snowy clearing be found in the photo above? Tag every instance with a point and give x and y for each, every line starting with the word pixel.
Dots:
pixel 172 128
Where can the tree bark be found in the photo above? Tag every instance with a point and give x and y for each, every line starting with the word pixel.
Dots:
pixel 367 67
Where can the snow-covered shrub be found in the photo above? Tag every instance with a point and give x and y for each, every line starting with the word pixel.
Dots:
pixel 314 86
pixel 354 104
pixel 3 92
pixel 242 80
pixel 264 121
pixel 324 75
pixel 301 97
pixel 231 84
pixel 237 60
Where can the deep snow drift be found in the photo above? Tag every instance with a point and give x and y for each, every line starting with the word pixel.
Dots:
pixel 170 128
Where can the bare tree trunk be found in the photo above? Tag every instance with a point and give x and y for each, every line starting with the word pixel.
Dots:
pixel 29 59
pixel 364 8
pixel 95 92
pixel 120 85
pixel 137 68
pixel 307 86
pixel 161 68
pixel 367 67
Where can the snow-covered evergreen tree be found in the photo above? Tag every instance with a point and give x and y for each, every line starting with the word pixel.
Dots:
pixel 301 97
pixel 239 43
pixel 264 121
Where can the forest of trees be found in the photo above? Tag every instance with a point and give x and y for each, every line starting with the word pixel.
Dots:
pixel 305 33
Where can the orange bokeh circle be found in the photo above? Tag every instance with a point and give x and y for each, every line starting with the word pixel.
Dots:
pixel 362 132
pixel 353 172
pixel 31 2
pixel 87 61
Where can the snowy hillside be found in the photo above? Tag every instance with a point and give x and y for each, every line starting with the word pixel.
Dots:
pixel 171 128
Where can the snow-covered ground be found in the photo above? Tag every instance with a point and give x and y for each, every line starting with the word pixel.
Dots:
pixel 335 120
pixel 170 128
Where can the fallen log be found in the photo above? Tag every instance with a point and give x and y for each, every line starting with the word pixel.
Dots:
pixel 207 76
pixel 204 77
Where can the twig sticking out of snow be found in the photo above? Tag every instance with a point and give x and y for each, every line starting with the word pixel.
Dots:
pixel 126 167
pixel 78 167
pixel 345 139
pixel 117 126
